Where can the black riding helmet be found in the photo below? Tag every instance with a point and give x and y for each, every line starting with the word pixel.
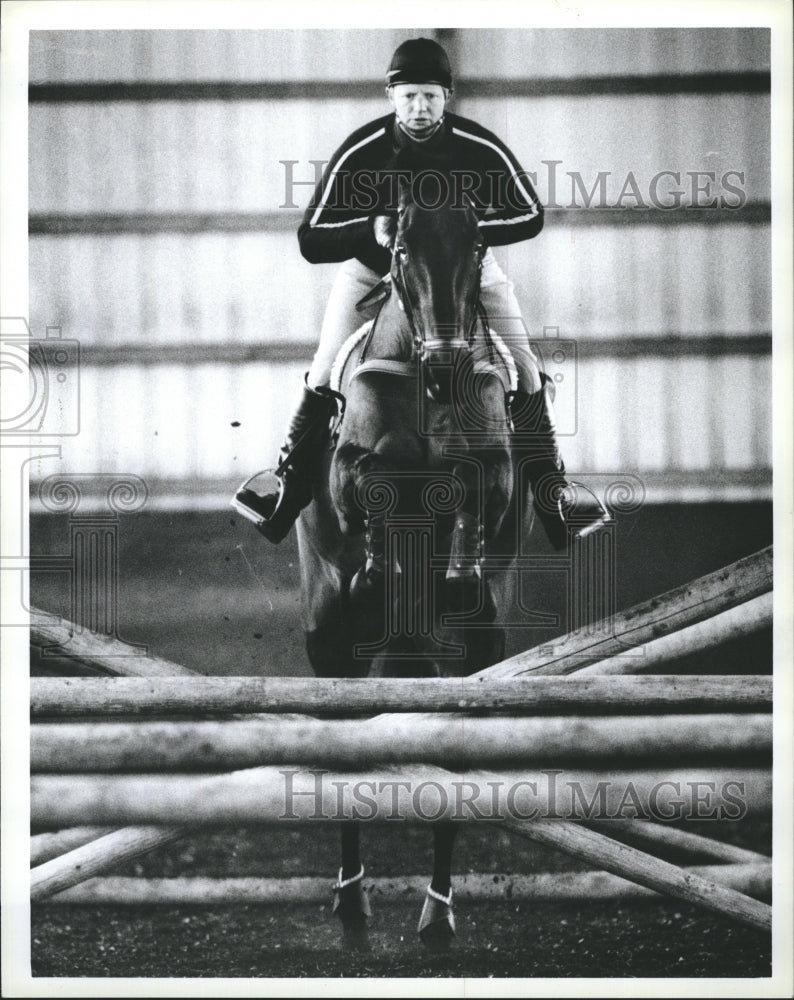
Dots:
pixel 419 60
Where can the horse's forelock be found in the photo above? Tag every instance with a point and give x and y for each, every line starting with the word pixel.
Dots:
pixel 453 218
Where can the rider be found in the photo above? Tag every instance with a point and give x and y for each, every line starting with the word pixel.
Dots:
pixel 350 219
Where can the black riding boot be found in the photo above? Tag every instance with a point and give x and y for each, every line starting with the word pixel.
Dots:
pixel 563 509
pixel 307 437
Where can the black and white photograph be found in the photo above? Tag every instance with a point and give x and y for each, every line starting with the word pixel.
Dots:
pixel 397 499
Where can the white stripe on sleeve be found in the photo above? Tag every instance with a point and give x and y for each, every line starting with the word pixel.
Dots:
pixel 336 225
pixel 513 173
pixel 329 185
pixel 508 222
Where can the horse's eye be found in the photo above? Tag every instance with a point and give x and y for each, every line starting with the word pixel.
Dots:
pixel 400 249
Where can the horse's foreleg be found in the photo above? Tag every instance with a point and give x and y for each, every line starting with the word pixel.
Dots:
pixel 466 549
pixel 372 575
pixel 464 580
pixel 351 858
pixel 465 556
pixel 437 922
pixel 367 494
pixel 351 903
pixel 443 840
pixel 468 599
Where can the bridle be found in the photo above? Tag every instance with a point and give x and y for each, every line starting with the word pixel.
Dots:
pixel 397 281
pixel 421 344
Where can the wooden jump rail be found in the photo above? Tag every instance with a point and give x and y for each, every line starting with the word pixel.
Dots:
pixel 59 637
pixel 135 696
pixel 733 601
pixel 46 846
pixel 637 628
pixel 752 878
pixel 735 623
pixel 283 793
pixel 447 740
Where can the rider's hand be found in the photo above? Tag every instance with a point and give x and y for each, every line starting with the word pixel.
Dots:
pixel 383 229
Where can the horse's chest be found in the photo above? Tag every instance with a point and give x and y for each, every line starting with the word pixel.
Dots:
pixel 438 432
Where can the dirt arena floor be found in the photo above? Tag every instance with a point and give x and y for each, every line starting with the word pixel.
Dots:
pixel 205 591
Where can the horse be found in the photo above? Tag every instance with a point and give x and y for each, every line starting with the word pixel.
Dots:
pixel 406 548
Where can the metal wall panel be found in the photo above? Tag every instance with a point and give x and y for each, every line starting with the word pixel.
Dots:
pixel 227 156
pixel 347 54
pixel 243 55
pixel 181 156
pixel 639 134
pixel 228 421
pixel 605 282
pixel 181 289
pixel 610 281
pixel 552 52
pixel 634 416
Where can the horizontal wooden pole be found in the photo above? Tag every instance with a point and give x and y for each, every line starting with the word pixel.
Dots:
pixel 654 84
pixel 644 869
pixel 445 740
pixel 65 696
pixel 59 637
pixel 679 608
pixel 286 221
pixel 753 484
pixel 45 846
pixel 97 856
pixel 752 879
pixel 628 345
pixel 663 835
pixel 416 793
pixel 735 623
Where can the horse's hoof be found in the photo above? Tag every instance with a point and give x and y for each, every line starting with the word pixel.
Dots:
pixel 437 922
pixel 351 905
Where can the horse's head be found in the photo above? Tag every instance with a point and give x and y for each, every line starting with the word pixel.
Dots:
pixel 435 270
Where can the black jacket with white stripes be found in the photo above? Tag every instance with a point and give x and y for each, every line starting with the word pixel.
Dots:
pixel 461 159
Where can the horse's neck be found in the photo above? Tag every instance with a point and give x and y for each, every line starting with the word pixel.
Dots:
pixel 392 339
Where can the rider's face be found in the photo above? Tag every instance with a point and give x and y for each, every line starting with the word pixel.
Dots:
pixel 418 106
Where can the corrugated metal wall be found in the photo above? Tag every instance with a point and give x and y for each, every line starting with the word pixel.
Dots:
pixel 161 241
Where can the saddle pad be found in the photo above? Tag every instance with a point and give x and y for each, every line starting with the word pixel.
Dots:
pixel 342 358
pixel 405 368
pixel 505 369
pixel 506 366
